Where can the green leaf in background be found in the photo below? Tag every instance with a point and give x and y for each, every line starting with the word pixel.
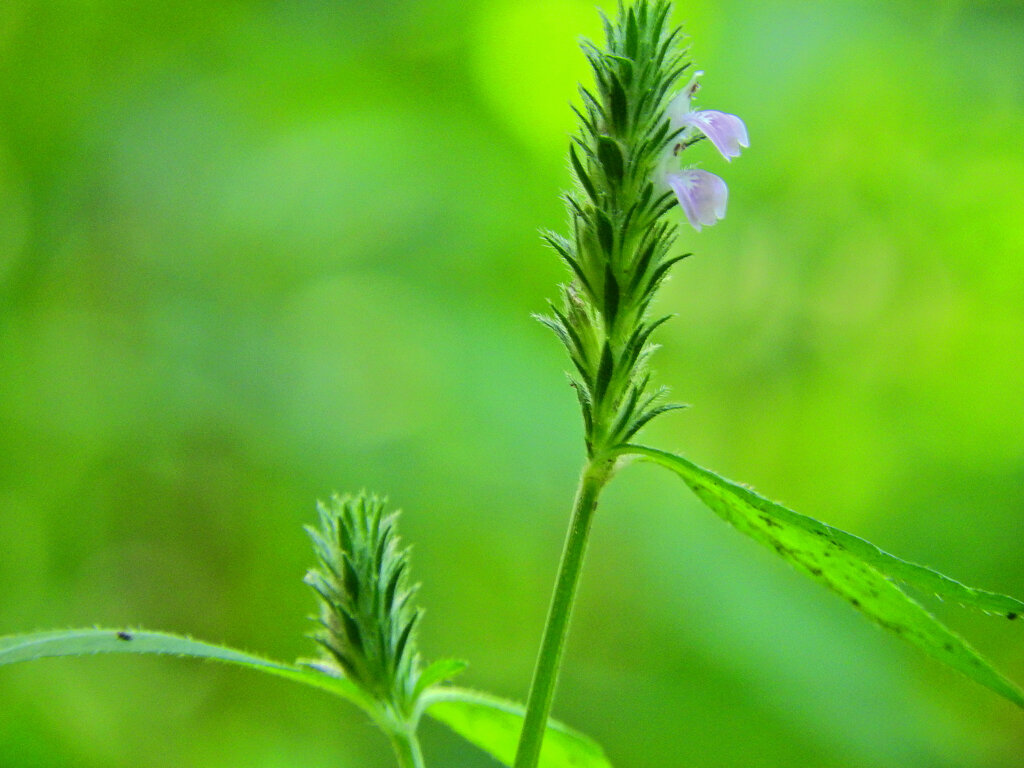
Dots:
pixel 494 724
pixel 87 642
pixel 853 568
pixel 488 722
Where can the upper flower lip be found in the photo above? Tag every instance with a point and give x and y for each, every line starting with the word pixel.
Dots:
pixel 727 132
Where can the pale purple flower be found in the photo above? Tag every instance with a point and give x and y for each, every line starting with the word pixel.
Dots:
pixel 702 195
pixel 727 132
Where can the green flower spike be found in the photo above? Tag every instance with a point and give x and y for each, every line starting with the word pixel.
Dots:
pixel 367 612
pixel 634 129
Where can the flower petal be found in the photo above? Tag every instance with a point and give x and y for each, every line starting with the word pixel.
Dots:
pixel 702 196
pixel 727 132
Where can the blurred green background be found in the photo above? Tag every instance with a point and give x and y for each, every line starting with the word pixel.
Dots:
pixel 254 252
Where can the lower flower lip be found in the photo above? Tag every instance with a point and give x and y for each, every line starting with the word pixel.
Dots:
pixel 702 196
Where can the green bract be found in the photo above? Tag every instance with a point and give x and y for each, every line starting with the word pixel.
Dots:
pixel 618 249
pixel 367 612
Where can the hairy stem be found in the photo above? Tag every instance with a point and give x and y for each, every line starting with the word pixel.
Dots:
pixel 542 691
pixel 407 749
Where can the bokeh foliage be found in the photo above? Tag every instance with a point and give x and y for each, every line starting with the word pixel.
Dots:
pixel 251 253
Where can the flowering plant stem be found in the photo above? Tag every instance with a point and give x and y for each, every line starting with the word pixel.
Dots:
pixel 625 158
pixel 595 475
pixel 407 748
pixel 627 161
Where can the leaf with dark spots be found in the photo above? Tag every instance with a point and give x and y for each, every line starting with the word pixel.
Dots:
pixel 851 567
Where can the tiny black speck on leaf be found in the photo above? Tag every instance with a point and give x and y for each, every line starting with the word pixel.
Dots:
pixel 124 636
pixel 1011 616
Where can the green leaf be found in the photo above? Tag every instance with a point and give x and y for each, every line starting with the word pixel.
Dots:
pixel 853 568
pixel 439 672
pixel 494 724
pixel 88 642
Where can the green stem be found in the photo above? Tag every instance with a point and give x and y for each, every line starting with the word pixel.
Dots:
pixel 407 749
pixel 542 691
